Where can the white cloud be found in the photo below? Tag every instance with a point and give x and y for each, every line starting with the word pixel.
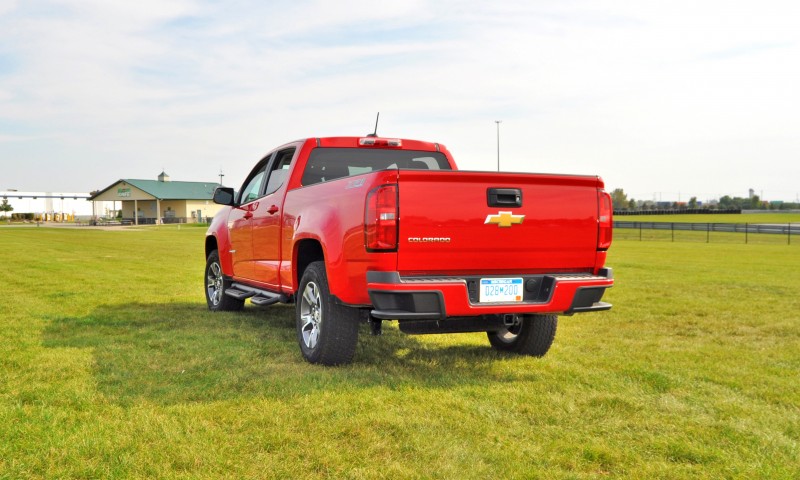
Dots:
pixel 653 96
pixel 7 6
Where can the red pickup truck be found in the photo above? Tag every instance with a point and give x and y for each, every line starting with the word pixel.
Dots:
pixel 365 229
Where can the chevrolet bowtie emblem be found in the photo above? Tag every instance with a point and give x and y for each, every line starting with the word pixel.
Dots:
pixel 504 219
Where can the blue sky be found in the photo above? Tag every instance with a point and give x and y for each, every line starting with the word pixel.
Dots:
pixel 663 99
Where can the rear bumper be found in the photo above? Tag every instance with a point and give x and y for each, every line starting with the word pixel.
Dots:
pixel 427 298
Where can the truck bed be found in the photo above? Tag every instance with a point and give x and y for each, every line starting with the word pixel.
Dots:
pixel 448 228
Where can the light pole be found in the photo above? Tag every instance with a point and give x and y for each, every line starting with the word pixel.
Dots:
pixel 498 122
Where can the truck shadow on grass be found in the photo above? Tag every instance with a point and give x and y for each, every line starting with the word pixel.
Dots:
pixel 176 353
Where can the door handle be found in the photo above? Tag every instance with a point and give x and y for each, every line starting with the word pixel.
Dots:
pixel 273 209
pixel 504 197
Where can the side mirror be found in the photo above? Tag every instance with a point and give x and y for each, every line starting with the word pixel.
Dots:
pixel 224 196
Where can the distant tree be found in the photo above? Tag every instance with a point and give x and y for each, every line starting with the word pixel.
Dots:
pixel 693 202
pixel 620 199
pixel 5 207
pixel 631 204
pixel 753 202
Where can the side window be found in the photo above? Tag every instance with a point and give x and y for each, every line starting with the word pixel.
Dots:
pixel 280 170
pixel 252 188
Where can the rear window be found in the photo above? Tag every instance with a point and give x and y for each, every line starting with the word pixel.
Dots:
pixel 327 164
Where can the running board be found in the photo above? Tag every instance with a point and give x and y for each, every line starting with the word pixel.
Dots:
pixel 263 301
pixel 238 294
pixel 257 296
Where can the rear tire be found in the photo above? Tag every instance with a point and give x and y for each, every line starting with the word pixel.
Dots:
pixel 533 336
pixel 326 331
pixel 216 285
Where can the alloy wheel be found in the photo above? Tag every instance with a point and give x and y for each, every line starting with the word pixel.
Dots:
pixel 214 283
pixel 311 315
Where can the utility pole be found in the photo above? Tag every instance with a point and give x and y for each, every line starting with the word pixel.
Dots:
pixel 498 122
pixel 220 177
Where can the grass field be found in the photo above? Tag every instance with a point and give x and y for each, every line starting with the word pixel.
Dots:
pixel 112 367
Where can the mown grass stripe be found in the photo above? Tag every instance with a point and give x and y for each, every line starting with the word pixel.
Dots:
pixel 112 367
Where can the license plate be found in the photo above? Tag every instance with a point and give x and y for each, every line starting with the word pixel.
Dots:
pixel 501 290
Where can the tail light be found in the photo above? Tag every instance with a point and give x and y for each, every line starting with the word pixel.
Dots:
pixel 380 219
pixel 605 222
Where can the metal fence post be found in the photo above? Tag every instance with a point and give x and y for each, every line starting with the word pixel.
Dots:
pixel 723 227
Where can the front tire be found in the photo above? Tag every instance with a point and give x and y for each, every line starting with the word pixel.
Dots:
pixel 326 331
pixel 216 284
pixel 532 336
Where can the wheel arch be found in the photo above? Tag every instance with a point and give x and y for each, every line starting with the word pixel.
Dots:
pixel 306 251
pixel 211 244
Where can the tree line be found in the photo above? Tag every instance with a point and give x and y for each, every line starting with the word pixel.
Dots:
pixel 622 202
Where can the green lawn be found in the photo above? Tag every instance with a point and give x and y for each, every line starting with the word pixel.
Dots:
pixel 112 367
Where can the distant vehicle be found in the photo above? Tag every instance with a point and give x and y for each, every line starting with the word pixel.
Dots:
pixel 366 229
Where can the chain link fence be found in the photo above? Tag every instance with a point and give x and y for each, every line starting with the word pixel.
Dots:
pixel 747 233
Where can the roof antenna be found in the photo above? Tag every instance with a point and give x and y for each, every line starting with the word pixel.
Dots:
pixel 375 133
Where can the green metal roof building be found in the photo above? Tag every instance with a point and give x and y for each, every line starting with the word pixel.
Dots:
pixel 160 201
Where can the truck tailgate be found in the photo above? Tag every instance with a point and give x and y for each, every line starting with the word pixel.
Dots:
pixel 447 226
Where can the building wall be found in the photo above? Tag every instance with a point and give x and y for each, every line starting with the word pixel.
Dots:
pixel 126 194
pixel 123 191
pixel 207 207
pixel 173 209
pixel 120 196
pixel 182 209
pixel 80 209
pixel 188 209
pixel 147 208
